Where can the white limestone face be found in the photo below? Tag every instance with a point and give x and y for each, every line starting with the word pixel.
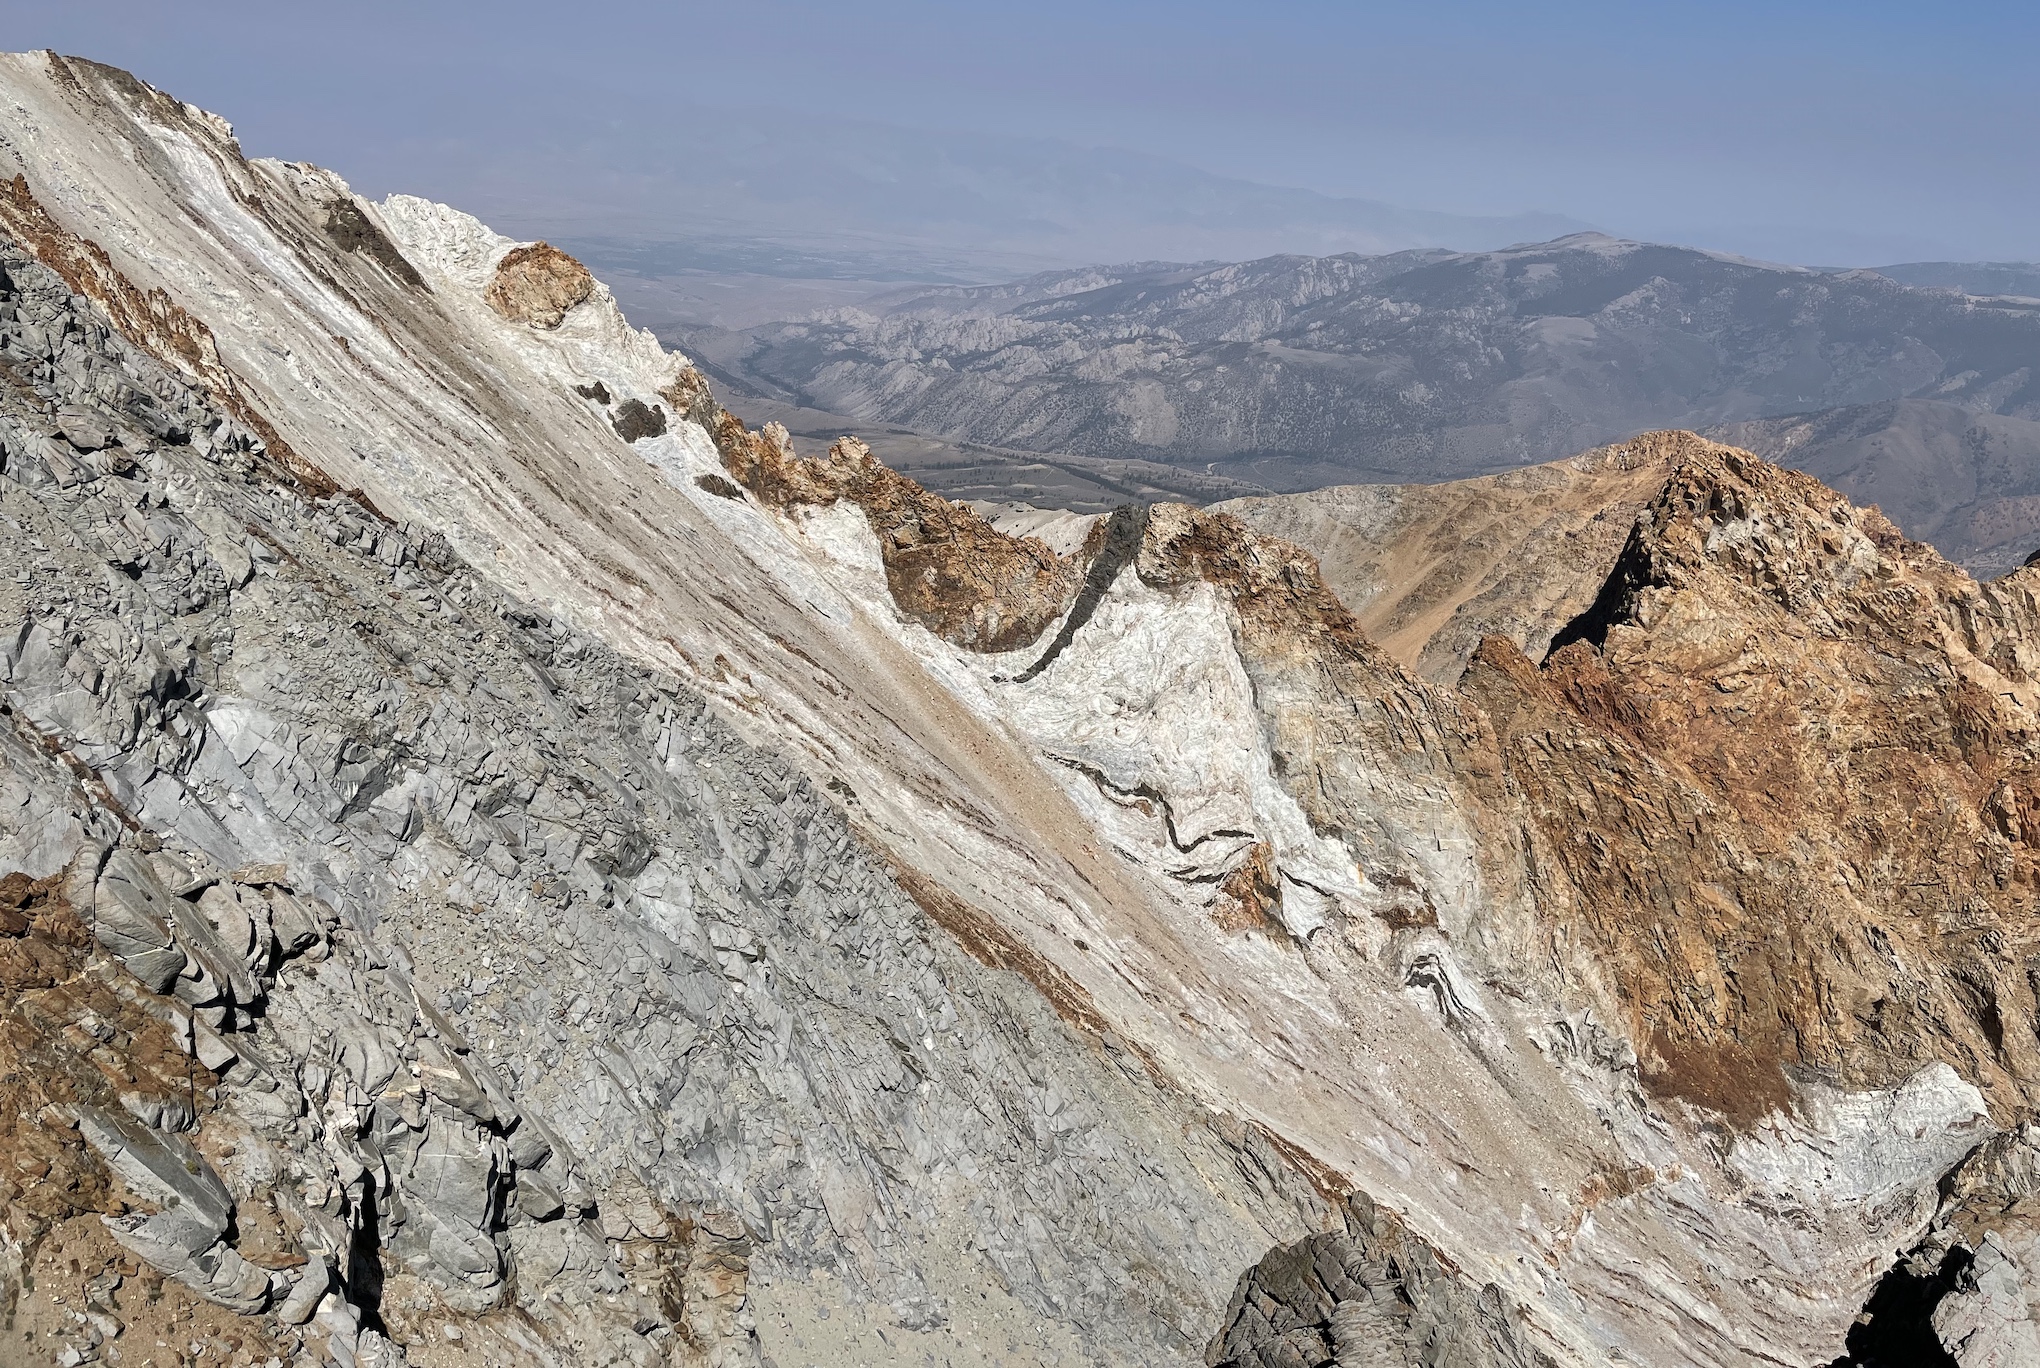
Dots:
pixel 1423 1064
pixel 1863 1146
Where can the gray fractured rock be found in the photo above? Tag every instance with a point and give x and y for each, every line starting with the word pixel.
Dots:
pixel 166 1170
pixel 697 1012
pixel 186 1239
pixel 242 926
pixel 449 1179
pixel 129 910
pixel 1368 1295
pixel 294 929
pixel 223 966
pixel 1986 1322
pixel 313 1282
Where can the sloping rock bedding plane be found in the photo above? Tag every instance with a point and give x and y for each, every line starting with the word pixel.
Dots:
pixel 504 865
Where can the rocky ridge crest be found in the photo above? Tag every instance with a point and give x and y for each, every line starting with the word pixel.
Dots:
pixel 771 914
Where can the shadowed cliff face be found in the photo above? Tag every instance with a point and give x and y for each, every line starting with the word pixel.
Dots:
pixel 642 895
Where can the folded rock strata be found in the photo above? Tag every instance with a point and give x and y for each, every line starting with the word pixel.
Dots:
pixel 509 859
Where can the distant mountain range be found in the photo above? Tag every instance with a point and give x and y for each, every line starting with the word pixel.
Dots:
pixel 2020 278
pixel 1298 372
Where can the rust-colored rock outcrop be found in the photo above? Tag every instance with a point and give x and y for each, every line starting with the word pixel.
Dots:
pixel 77 1031
pixel 1783 774
pixel 537 285
pixel 948 568
pixel 1430 569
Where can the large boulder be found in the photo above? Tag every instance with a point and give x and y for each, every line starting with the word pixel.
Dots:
pixel 537 285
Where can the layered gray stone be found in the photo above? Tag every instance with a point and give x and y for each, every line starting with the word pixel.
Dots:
pixel 537 980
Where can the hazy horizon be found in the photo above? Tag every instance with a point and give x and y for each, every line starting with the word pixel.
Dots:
pixel 1821 135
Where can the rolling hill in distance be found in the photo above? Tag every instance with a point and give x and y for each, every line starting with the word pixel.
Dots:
pixel 1294 373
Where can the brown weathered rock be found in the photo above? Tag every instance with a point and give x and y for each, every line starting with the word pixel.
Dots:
pixel 537 285
pixel 1781 769
pixel 1784 771
pixel 75 1039
pixel 947 567
pixel 1428 570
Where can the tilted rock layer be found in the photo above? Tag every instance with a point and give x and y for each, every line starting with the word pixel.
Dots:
pixel 507 866
pixel 1432 569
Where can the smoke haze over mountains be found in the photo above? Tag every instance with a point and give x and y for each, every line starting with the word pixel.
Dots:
pixel 959 141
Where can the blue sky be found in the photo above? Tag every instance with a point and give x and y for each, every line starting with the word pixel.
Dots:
pixel 1832 133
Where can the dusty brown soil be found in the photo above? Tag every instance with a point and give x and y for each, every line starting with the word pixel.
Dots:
pixel 75 1029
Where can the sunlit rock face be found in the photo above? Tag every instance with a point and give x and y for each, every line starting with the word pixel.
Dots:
pixel 505 865
pixel 538 285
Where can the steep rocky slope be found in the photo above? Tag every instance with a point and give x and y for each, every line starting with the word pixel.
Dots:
pixel 612 889
pixel 394 800
pixel 1959 476
pixel 1429 570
